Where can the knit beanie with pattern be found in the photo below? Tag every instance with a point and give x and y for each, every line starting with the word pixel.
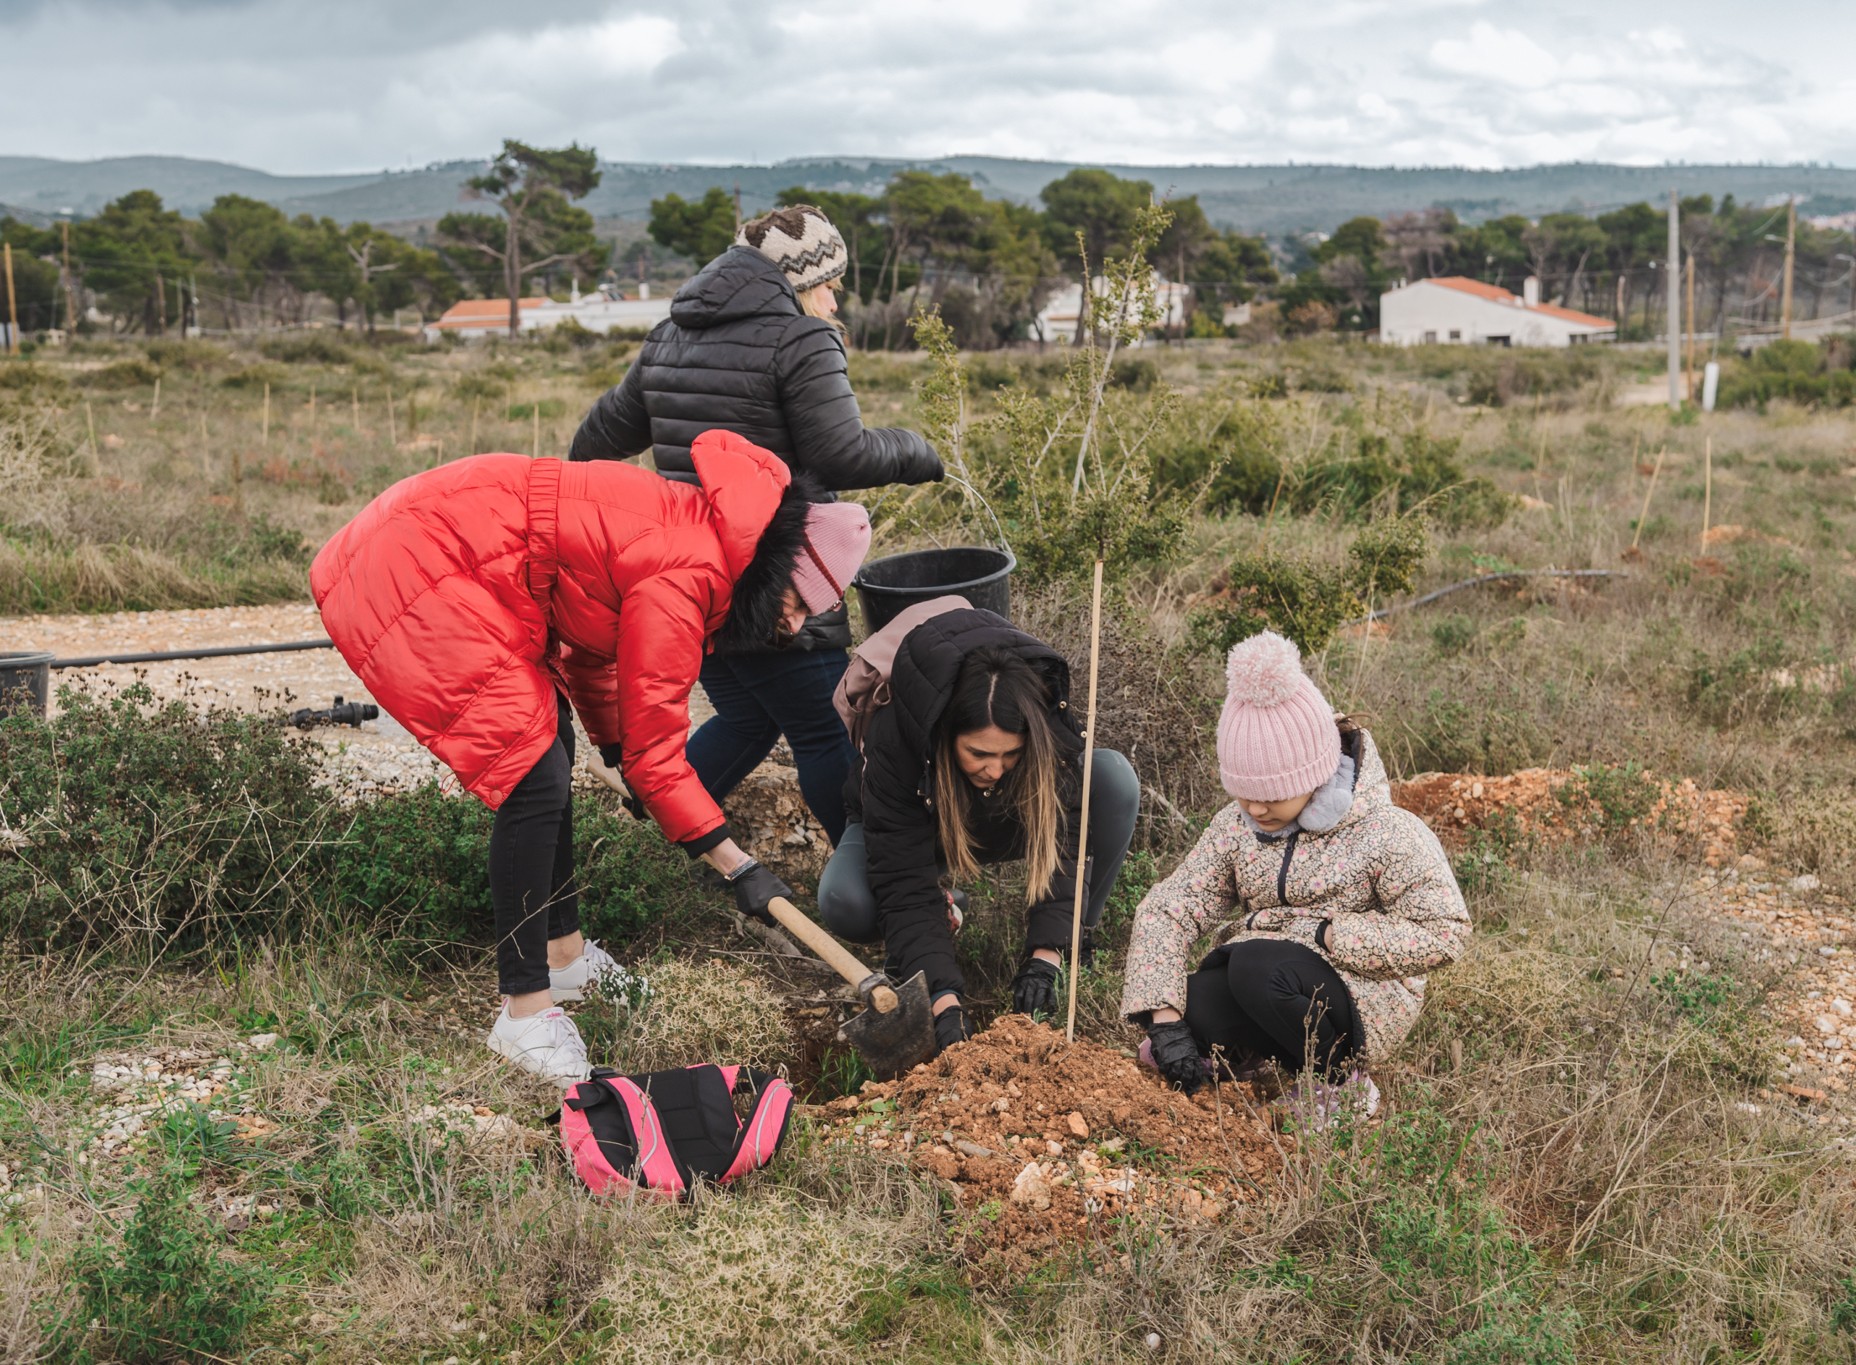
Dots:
pixel 837 537
pixel 801 241
pixel 1276 737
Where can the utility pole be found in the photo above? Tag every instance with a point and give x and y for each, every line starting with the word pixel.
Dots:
pixel 1791 247
pixel 12 304
pixel 1671 286
pixel 70 285
pixel 1688 364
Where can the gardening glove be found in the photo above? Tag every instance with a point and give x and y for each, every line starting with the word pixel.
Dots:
pixel 1034 989
pixel 1176 1054
pixel 755 887
pixel 950 1027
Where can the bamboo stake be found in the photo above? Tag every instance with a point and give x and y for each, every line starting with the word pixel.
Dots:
pixel 1707 490
pixel 90 425
pixel 1082 838
pixel 1645 512
pixel 267 417
pixel 154 410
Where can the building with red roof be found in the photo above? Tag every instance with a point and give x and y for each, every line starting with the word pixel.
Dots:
pixel 1459 310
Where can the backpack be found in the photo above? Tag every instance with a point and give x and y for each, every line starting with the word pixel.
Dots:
pixel 662 1131
pixel 864 688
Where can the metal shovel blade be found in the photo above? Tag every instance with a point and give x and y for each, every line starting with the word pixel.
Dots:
pixel 890 1043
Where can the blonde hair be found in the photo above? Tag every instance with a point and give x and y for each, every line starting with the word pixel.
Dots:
pixel 996 687
pixel 809 305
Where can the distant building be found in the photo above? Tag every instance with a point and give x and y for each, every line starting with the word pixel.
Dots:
pixel 602 311
pixel 1469 312
pixel 1835 222
pixel 1056 321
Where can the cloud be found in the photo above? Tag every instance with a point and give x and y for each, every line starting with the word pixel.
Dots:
pixel 347 85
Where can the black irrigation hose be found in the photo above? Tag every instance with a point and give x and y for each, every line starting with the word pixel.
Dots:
pixel 1478 581
pixel 169 655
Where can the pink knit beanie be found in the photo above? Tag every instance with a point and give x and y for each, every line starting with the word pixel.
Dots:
pixel 837 537
pixel 1276 737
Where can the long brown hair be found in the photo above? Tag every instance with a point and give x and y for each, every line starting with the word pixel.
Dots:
pixel 995 687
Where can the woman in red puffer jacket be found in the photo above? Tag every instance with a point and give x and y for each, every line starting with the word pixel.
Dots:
pixel 478 600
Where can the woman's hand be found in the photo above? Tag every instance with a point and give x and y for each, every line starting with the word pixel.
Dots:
pixel 1176 1052
pixel 609 774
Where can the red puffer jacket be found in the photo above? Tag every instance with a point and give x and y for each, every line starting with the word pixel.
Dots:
pixel 460 596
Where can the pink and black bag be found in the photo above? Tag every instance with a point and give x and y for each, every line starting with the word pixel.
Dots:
pixel 662 1131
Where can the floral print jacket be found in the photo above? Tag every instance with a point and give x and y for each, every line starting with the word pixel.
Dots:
pixel 1378 877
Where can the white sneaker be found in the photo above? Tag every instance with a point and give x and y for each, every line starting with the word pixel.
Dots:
pixel 546 1044
pixel 568 984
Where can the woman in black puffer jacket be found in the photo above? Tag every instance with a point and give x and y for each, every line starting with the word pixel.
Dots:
pixel 975 759
pixel 751 346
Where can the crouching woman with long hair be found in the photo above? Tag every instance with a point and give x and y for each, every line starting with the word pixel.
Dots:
pixel 975 759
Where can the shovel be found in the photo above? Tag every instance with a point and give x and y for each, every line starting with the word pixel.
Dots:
pixel 896 1029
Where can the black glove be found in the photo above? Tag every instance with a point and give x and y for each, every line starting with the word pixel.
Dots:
pixel 1034 989
pixel 1176 1054
pixel 950 1027
pixel 754 887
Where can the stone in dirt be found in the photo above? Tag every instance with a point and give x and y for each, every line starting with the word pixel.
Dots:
pixel 1085 1134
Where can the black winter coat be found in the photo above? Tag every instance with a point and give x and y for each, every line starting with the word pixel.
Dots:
pixel 894 796
pixel 738 352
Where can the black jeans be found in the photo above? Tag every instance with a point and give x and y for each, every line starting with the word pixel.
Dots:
pixel 849 909
pixel 532 865
pixel 759 697
pixel 1269 999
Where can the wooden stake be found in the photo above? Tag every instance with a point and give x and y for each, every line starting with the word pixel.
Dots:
pixel 155 410
pixel 1646 496
pixel 1082 837
pixel 12 303
pixel 267 416
pixel 1707 490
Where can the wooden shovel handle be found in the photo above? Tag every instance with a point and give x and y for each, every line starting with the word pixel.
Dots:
pixel 834 954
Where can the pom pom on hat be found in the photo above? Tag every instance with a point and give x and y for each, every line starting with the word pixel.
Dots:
pixel 1265 670
pixel 1276 737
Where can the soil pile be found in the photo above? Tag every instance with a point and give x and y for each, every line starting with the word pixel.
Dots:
pixel 1039 1138
pixel 1538 803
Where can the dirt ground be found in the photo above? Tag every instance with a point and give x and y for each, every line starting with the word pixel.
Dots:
pixel 1040 1141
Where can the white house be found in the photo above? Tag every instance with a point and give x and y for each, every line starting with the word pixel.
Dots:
pixel 1456 309
pixel 1056 321
pixel 604 311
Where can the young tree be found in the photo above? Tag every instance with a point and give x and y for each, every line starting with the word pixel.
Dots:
pixel 540 227
pixel 700 229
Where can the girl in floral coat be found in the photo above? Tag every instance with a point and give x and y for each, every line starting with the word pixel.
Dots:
pixel 1342 902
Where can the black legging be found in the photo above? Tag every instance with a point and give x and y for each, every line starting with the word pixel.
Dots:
pixel 1269 999
pixel 532 865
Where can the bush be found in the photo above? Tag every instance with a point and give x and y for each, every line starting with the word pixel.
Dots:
pixel 254 377
pixel 165 1292
pixel 307 348
pixel 174 353
pixel 137 819
pixel 130 373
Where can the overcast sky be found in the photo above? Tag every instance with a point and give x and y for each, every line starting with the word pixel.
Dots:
pixel 352 85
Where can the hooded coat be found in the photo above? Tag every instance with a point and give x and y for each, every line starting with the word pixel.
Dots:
pixel 738 352
pixel 894 795
pixel 1378 877
pixel 466 596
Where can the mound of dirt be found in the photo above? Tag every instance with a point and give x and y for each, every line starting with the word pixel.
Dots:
pixel 1038 1138
pixel 1534 802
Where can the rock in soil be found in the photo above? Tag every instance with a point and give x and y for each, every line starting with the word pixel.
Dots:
pixel 1041 1141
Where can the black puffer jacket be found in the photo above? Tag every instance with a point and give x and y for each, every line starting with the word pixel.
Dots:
pixel 894 793
pixel 738 352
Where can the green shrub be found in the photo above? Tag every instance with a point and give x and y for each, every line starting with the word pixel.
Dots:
pixel 255 377
pixel 550 409
pixel 174 353
pixel 307 348
pixel 23 378
pixel 132 372
pixel 166 1291
pixel 139 819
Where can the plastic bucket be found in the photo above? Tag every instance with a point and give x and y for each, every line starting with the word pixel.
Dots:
pixel 25 680
pixel 889 585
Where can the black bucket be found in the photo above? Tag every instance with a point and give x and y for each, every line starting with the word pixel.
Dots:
pixel 25 681
pixel 890 585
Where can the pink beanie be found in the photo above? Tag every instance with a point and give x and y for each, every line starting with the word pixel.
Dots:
pixel 837 537
pixel 1276 737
